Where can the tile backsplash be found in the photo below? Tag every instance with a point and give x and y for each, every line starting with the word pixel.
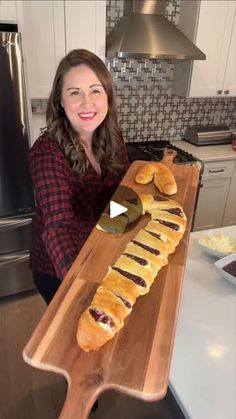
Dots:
pixel 147 108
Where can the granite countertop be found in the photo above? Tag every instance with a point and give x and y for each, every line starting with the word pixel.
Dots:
pixel 208 153
pixel 203 370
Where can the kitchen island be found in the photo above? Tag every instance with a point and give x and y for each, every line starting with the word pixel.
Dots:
pixel 203 371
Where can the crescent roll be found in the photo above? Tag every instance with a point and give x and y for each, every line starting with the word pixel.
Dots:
pixel 145 173
pixel 163 178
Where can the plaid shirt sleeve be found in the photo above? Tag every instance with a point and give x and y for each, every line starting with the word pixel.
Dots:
pixel 61 234
pixel 62 229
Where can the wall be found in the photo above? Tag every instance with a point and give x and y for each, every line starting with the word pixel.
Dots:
pixel 147 108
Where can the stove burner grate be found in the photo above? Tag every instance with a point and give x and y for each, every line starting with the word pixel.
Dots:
pixel 153 151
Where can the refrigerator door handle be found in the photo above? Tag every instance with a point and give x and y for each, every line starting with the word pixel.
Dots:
pixel 8 223
pixel 13 258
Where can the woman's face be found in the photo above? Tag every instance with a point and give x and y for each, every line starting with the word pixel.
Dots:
pixel 84 100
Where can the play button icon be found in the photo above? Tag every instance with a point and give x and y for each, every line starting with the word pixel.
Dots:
pixel 122 211
pixel 116 209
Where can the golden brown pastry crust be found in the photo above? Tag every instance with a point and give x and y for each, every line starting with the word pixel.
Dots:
pixel 147 202
pixel 167 235
pixel 120 285
pixel 166 217
pixel 132 274
pixel 134 249
pixel 164 179
pixel 91 335
pixel 131 266
pixel 145 237
pixel 171 235
pixel 110 304
pixel 145 173
pixel 167 204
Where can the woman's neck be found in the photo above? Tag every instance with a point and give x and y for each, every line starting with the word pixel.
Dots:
pixel 86 142
pixel 87 146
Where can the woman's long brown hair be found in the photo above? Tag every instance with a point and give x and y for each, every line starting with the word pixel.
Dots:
pixel 105 137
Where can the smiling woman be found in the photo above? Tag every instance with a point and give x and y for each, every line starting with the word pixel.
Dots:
pixel 76 165
pixel 84 101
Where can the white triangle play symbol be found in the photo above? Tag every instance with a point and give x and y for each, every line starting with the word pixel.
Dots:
pixel 116 209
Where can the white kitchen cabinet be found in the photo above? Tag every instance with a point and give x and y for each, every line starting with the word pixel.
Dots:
pixel 213 195
pixel 211 25
pixel 8 11
pixel 230 71
pixel 211 204
pixel 230 207
pixel 42 26
pixel 52 28
pixel 85 25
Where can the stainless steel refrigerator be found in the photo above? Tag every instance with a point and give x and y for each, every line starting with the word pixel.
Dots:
pixel 16 189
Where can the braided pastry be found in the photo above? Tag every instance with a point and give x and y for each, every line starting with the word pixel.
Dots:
pixel 133 273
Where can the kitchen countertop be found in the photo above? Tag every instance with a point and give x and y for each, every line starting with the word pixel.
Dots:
pixel 203 371
pixel 208 153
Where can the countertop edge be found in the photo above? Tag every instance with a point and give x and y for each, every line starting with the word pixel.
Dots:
pixel 208 153
pixel 209 355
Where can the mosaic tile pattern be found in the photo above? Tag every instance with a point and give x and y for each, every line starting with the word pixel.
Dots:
pixel 114 11
pixel 147 109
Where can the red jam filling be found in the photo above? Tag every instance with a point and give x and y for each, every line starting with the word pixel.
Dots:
pixel 137 259
pixel 101 317
pixel 145 247
pixel 231 268
pixel 135 278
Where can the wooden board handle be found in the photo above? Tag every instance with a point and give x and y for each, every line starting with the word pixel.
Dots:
pixel 79 401
pixel 168 156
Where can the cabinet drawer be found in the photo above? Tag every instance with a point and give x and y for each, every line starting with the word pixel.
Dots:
pixel 218 170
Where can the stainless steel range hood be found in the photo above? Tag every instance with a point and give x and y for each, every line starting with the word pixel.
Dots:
pixel 144 32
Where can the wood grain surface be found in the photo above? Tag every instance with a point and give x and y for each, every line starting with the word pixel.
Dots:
pixel 137 360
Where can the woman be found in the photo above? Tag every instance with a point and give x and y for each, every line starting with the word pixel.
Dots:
pixel 76 165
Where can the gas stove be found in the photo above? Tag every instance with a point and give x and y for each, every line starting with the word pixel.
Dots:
pixel 153 151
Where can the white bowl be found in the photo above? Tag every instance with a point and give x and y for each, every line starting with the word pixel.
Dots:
pixel 213 252
pixel 219 264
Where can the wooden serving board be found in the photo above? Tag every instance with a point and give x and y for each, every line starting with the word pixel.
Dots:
pixel 137 360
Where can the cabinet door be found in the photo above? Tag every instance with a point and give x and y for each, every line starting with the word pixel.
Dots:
pixel 229 85
pixel 42 26
pixel 212 26
pixel 213 39
pixel 211 204
pixel 85 23
pixel 7 10
pixel 230 207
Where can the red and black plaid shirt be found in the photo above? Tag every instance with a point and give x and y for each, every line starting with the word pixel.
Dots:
pixel 67 207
